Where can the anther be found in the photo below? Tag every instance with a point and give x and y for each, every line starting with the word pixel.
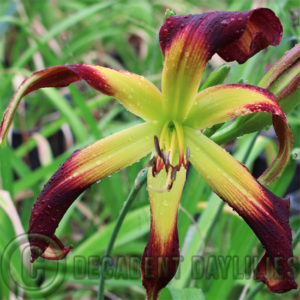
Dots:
pixel 163 157
pixel 151 162
pixel 170 186
pixel 157 148
pixel 168 157
pixel 188 154
pixel 173 174
pixel 167 162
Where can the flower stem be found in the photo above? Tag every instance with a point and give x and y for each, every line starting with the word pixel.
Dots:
pixel 250 147
pixel 139 182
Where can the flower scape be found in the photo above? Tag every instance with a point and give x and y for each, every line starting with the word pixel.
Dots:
pixel 172 133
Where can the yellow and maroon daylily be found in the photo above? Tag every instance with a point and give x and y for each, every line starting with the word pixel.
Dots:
pixel 172 132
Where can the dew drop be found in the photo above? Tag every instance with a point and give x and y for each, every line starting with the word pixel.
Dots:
pixel 224 23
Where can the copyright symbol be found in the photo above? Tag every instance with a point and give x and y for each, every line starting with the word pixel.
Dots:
pixel 20 276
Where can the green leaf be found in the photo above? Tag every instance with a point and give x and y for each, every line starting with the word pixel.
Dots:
pixel 136 224
pixel 171 293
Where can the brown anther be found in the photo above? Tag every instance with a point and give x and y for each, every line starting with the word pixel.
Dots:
pixel 151 162
pixel 157 148
pixel 173 174
pixel 168 158
pixel 170 185
pixel 167 161
pixel 163 157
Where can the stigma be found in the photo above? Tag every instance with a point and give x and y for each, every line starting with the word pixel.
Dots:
pixel 170 152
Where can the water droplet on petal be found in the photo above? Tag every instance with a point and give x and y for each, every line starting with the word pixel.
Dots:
pixel 224 23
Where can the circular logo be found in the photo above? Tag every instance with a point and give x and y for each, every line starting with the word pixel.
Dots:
pixel 22 277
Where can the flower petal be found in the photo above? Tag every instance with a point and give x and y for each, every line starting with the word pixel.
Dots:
pixel 283 81
pixel 222 103
pixel 58 76
pixel 188 42
pixel 225 102
pixel 285 138
pixel 82 169
pixel 265 213
pixel 161 256
pixel 135 92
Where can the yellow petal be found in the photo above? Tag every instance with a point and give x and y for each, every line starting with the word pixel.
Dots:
pixel 264 212
pixel 135 92
pixel 161 256
pixel 81 170
pixel 222 103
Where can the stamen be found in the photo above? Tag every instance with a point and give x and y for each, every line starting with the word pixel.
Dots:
pixel 173 174
pixel 187 157
pixel 180 138
pixel 167 164
pixel 157 148
pixel 188 153
pixel 171 141
pixel 164 136
pixel 163 156
pixel 173 146
pixel 168 157
pixel 151 162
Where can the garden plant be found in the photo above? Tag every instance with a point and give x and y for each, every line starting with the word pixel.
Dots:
pixel 179 179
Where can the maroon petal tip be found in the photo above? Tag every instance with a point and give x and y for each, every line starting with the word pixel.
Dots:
pixel 159 265
pixel 54 200
pixel 236 35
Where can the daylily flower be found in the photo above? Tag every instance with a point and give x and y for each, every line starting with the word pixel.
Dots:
pixel 172 132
